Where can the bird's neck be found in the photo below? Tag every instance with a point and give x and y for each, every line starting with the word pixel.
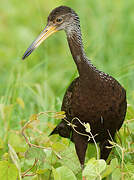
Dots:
pixel 76 47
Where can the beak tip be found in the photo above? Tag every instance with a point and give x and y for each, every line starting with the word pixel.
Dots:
pixel 23 57
pixel 27 53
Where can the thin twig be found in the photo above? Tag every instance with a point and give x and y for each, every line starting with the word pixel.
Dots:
pixel 27 141
pixel 128 121
pixel 56 115
pixel 25 173
pixel 22 131
pixel 69 124
pixel 73 126
pixel 118 135
pixel 89 137
pixel 33 145
pixel 95 145
pixel 122 163
pixel 50 174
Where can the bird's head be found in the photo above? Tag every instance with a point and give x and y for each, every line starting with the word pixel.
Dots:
pixel 61 18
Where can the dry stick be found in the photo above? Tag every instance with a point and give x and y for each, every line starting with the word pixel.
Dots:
pixel 36 146
pixel 114 144
pixel 50 174
pixel 25 173
pixel 118 135
pixel 70 124
pixel 128 121
pixel 29 175
pixel 33 145
pixel 73 126
pixel 122 163
pixel 95 145
pixel 26 139
pixel 22 131
pixel 55 116
pixel 122 155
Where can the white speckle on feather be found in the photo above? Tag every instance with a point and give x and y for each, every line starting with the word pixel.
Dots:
pixel 101 120
pixel 78 58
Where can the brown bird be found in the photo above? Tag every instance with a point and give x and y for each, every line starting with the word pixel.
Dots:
pixel 94 97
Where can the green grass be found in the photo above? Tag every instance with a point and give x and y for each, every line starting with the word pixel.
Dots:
pixel 41 80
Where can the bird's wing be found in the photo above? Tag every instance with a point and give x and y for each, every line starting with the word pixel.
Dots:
pixel 67 100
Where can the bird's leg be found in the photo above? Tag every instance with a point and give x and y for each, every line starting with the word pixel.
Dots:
pixel 80 146
pixel 104 151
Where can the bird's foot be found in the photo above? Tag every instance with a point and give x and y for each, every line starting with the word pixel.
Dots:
pixel 83 178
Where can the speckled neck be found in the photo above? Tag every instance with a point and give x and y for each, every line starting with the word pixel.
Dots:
pixel 76 47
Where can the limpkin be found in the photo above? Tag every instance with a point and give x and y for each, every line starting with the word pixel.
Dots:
pixel 94 97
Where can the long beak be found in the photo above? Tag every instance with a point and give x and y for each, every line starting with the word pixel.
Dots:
pixel 49 30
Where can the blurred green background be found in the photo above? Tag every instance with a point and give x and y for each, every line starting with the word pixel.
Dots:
pixel 41 80
pixel 38 83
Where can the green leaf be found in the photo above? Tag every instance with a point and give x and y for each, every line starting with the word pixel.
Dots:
pixel 91 151
pixel 94 168
pixel 20 102
pixel 56 174
pixel 114 163
pixel 64 173
pixel 129 167
pixel 107 171
pixel 58 147
pixel 87 127
pixel 1 144
pixel 34 152
pixel 61 112
pixel 50 158
pixel 8 171
pixel 70 159
pixel 116 174
pixel 17 142
pixel 60 115
pixel 131 126
pixel 15 159
pixel 7 111
pixel 35 178
pixel 41 171
pixel 5 156
pixel 34 117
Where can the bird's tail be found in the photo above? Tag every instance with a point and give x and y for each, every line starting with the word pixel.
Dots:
pixel 55 131
pixel 62 129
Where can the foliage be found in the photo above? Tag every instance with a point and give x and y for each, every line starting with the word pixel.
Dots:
pixel 39 83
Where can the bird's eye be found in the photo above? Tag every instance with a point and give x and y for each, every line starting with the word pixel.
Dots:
pixel 59 20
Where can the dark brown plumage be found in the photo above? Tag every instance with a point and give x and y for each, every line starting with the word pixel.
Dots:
pixel 94 97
